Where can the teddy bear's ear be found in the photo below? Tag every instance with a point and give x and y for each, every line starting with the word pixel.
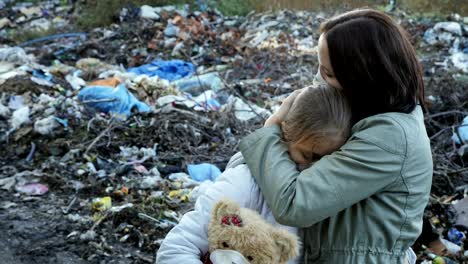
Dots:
pixel 287 243
pixel 225 208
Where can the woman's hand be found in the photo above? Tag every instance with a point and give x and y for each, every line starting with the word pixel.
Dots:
pixel 278 117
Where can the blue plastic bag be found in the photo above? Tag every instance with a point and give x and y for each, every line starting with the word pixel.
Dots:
pixel 204 171
pixel 42 75
pixel 63 122
pixel 168 70
pixel 197 84
pixel 108 99
pixel 455 236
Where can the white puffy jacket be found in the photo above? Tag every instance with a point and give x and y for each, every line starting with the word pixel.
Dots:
pixel 188 241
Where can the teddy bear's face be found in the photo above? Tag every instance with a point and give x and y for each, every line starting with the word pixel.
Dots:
pixel 243 230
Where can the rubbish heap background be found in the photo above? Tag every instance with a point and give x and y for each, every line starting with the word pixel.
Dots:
pixel 108 136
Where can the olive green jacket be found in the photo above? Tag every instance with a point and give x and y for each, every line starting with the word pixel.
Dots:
pixel 363 203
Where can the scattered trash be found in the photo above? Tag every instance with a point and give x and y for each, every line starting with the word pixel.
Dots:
pixel 452 27
pixel 203 172
pixel 5 22
pixel 102 204
pixel 149 12
pixel 192 84
pixel 195 85
pixel 246 112
pixel 111 100
pixel 450 34
pixel 15 55
pixel 32 189
pixel 439 260
pixel 61 121
pixel 460 134
pixel 460 61
pixel 7 183
pixel 461 208
pixel 43 24
pixel 205 101
pixel 121 193
pixel 150 182
pixel 455 236
pixel 117 209
pixel 31 11
pixel 46 126
pixel 182 194
pixel 451 247
pixel 100 207
pixel 152 88
pixel 171 30
pixel 88 236
pixel 110 82
pixel 4 111
pixel 135 155
pixel 20 117
pixel 168 70
pixel 75 81
pixel 16 102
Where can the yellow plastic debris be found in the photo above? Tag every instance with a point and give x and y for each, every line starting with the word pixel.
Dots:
pixel 181 194
pixel 435 220
pixel 100 206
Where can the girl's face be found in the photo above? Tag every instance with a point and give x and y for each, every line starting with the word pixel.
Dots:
pixel 310 149
pixel 326 69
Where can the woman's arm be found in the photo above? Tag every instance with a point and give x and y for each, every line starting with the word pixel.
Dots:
pixel 358 170
pixel 188 241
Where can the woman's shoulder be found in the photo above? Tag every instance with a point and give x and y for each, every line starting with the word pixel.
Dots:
pixel 392 131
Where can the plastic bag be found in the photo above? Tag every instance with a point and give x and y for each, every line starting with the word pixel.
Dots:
pixel 111 100
pixel 168 70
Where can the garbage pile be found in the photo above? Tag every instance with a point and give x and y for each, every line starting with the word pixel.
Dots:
pixel 110 135
pixel 450 35
pixel 33 16
pixel 105 147
pixel 443 50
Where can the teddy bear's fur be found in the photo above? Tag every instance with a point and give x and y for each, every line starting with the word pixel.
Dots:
pixel 245 231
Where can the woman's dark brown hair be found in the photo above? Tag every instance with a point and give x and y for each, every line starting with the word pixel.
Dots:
pixel 375 63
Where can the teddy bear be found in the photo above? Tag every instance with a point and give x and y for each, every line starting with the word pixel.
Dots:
pixel 240 235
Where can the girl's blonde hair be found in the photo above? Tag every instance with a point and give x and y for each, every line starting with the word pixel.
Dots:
pixel 322 112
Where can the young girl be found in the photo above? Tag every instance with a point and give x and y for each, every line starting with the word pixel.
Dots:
pixel 317 124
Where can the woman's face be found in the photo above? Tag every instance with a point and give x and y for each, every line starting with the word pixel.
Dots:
pixel 326 69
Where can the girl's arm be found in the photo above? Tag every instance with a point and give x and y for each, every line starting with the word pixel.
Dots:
pixel 188 241
pixel 361 168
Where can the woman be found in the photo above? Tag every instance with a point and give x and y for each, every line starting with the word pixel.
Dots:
pixel 363 203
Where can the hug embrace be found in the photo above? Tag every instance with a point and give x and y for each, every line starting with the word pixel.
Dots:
pixel 344 165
